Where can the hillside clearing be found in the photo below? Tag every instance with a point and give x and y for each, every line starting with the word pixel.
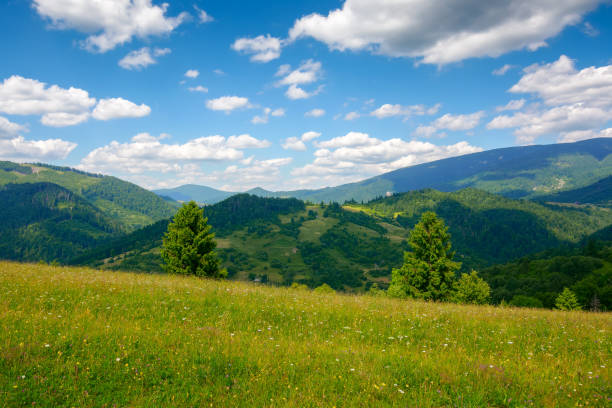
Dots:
pixel 81 337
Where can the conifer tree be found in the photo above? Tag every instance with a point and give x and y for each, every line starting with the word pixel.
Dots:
pixel 428 271
pixel 189 246
pixel 472 289
pixel 567 301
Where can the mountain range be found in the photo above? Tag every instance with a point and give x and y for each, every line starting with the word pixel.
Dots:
pixel 515 172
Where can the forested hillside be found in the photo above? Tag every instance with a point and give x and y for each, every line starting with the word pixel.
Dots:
pixel 599 193
pixel 353 246
pixel 131 205
pixel 44 221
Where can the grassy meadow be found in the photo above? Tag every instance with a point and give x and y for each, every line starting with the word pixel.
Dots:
pixel 81 337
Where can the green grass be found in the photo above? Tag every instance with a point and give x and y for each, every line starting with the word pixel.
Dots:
pixel 80 337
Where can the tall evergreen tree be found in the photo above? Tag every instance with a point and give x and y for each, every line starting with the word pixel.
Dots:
pixel 428 271
pixel 189 246
pixel 567 301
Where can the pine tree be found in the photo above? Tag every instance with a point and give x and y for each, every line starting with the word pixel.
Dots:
pixel 567 301
pixel 188 246
pixel 428 271
pixel 472 289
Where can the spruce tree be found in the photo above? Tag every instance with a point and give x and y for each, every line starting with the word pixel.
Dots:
pixel 189 246
pixel 472 289
pixel 428 271
pixel 567 301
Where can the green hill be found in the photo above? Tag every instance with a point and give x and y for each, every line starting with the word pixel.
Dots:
pixel 86 338
pixel 599 193
pixel 132 206
pixel 283 240
pixel 44 221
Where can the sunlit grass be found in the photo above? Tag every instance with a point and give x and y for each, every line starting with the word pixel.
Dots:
pixel 80 337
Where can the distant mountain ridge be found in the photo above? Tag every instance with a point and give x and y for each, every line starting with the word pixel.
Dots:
pixel 516 172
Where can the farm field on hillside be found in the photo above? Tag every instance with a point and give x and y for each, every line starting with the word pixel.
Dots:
pixel 81 337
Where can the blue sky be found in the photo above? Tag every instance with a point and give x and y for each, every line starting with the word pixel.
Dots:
pixel 287 95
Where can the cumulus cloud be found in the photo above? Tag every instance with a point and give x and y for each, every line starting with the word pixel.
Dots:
pixel 20 149
pixel 294 143
pixel 227 103
pixel 574 103
pixel 116 108
pixel 307 73
pixel 192 73
pixel 298 143
pixel 267 112
pixel 458 122
pixel 439 32
pixel 357 155
pixel 10 129
pixel 388 110
pixel 261 48
pixel 139 59
pixel 146 153
pixel 560 83
pixel 59 106
pixel 315 113
pixel 23 96
pixel 109 23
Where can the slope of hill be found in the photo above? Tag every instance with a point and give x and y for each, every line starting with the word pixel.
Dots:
pixel 44 221
pixel 132 206
pixel 515 172
pixel 599 193
pixel 87 338
pixel 351 247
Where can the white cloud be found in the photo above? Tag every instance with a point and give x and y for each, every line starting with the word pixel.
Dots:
pixel 425 131
pixel 23 96
pixel 560 83
pixel 357 155
pixel 146 153
pixel 567 118
pixel 515 104
pixel 310 135
pixel 503 70
pixel 192 73
pixel 308 72
pixel 198 88
pixel 458 122
pixel 267 112
pixel 139 59
pixel 293 143
pixel 387 110
pixel 20 149
pixel 62 119
pixel 109 22
pixel 574 103
pixel 203 16
pixel 219 72
pixel 59 106
pixel 439 32
pixel 575 136
pixel 227 103
pixel 246 141
pixel 258 173
pixel 10 129
pixel 315 113
pixel 263 48
pixel 351 116
pixel 116 108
